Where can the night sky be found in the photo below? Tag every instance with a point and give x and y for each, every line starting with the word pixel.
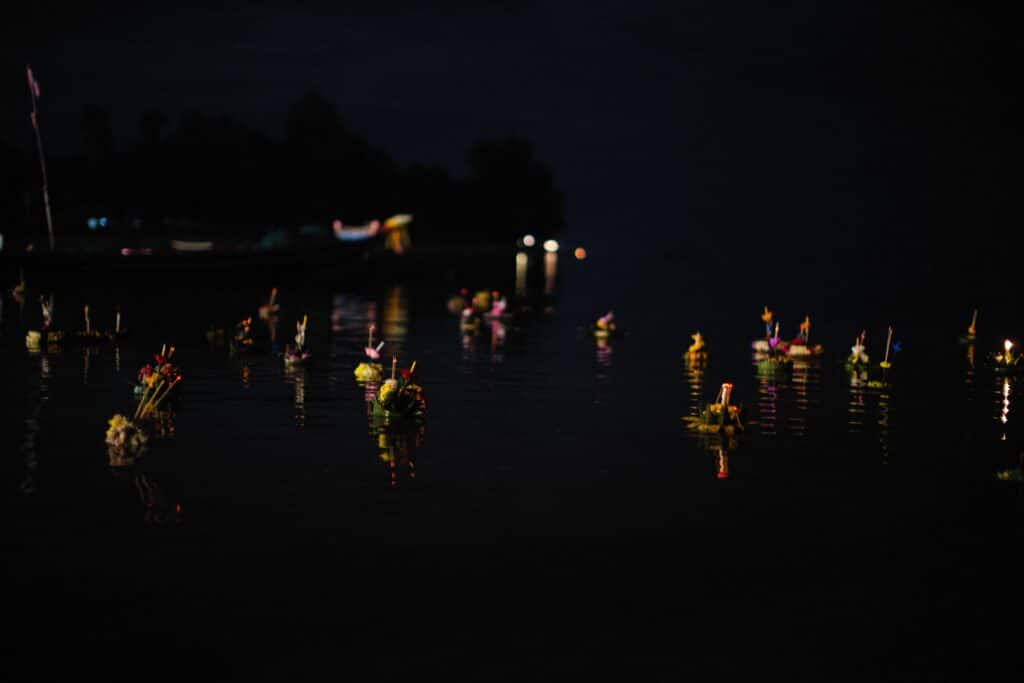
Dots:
pixel 686 120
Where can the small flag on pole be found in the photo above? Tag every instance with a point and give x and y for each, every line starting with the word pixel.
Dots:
pixel 33 84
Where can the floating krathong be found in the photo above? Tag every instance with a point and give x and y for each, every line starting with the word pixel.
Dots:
pixel 605 326
pixel 119 331
pixel 373 352
pixel 126 438
pixel 720 416
pixel 399 397
pixel 126 441
pixel 243 339
pixel 482 301
pixel 469 320
pixel 18 291
pixel 90 335
pixel 697 351
pixel 457 302
pixel 886 364
pixel 370 372
pixel 1013 473
pixel 297 353
pixel 772 350
pixel 858 357
pixel 801 345
pixel 763 345
pixel 271 308
pixel 1007 360
pixel 46 336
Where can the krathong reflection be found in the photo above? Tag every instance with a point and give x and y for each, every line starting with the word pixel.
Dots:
pixel 397 445
pixel 37 398
pixel 805 381
pixel 769 375
pixel 857 404
pixel 719 445
pixel 272 324
pixel 296 375
pixel 972 330
pixel 884 397
pixel 695 367
pixel 1003 404
pixel 869 406
pixel 298 353
pixel 87 355
pixel 157 508
pixel 243 340
pixel 498 333
pixel 603 356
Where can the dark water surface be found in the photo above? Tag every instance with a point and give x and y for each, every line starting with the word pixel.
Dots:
pixel 553 519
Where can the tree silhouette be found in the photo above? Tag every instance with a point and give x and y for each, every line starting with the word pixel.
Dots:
pixel 217 176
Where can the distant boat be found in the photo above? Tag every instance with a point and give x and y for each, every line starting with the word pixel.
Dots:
pixel 359 233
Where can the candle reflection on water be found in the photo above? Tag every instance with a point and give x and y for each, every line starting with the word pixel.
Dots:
pixel 396 449
pixel 395 318
pixel 297 378
pixel 87 353
pixel 695 370
pixel 857 403
pixel 522 262
pixel 550 271
pixel 1004 395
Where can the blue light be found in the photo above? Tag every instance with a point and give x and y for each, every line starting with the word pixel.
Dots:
pixel 103 222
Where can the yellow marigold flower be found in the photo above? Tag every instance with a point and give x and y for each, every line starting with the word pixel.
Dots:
pixel 368 372
pixel 387 389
